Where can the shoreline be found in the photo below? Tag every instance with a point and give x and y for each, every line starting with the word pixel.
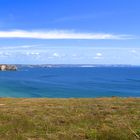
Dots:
pixel 67 98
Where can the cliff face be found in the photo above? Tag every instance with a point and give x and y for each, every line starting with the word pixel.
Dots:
pixel 4 67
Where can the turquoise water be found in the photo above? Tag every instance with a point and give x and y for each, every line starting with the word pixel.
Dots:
pixel 71 82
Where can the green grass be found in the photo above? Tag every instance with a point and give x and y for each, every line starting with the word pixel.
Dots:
pixel 70 119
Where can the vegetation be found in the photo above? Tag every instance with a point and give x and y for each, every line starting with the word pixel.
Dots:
pixel 70 119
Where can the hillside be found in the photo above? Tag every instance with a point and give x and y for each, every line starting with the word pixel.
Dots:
pixel 70 119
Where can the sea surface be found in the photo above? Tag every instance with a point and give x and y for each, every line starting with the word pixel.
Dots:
pixel 71 82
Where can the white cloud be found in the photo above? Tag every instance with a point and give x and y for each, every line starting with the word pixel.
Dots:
pixel 133 51
pixel 99 54
pixel 5 54
pixel 97 57
pixel 56 55
pixel 58 34
pixel 32 53
pixel 74 55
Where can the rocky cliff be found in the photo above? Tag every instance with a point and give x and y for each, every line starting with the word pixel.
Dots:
pixel 4 67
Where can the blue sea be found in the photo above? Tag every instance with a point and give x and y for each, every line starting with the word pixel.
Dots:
pixel 71 82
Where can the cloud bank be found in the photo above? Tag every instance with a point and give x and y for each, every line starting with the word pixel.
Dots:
pixel 60 35
pixel 63 55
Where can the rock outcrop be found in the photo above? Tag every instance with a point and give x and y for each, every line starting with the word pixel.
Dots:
pixel 4 67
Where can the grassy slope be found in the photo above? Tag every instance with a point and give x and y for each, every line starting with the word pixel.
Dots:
pixel 70 119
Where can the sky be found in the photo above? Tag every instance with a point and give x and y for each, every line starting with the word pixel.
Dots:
pixel 70 32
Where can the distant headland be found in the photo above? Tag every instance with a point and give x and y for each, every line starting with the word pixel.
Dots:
pixel 5 67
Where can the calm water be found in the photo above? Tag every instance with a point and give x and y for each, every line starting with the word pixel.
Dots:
pixel 71 82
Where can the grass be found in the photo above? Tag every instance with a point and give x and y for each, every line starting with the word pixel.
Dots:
pixel 70 119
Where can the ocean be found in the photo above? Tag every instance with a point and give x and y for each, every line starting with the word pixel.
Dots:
pixel 71 82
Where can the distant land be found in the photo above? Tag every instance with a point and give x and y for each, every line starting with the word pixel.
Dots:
pixel 4 67
pixel 73 65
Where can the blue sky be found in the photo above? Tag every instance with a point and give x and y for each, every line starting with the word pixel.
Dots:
pixel 70 31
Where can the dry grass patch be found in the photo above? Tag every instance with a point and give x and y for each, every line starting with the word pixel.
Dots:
pixel 70 119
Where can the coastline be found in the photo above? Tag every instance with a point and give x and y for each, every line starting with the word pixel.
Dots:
pixel 72 118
